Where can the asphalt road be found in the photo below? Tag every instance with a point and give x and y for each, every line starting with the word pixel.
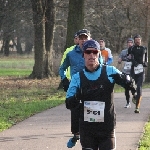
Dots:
pixel 50 130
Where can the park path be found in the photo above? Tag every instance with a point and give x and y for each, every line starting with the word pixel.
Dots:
pixel 50 130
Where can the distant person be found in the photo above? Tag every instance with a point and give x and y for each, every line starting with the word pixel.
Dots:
pixel 126 68
pixel 105 53
pixel 138 56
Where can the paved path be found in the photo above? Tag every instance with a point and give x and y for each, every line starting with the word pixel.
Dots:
pixel 50 129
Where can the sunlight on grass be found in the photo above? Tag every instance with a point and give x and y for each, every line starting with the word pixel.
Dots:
pixel 15 72
pixel 145 140
pixel 19 105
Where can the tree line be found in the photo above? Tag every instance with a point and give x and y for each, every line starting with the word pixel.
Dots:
pixel 34 23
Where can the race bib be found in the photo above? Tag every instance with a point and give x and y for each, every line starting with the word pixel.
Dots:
pixel 127 65
pixel 94 111
pixel 138 69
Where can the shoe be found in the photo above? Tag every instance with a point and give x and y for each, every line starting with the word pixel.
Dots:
pixel 134 99
pixel 128 105
pixel 137 110
pixel 72 141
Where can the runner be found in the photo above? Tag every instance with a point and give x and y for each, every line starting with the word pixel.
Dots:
pixel 105 53
pixel 75 60
pixel 93 88
pixel 126 69
pixel 138 55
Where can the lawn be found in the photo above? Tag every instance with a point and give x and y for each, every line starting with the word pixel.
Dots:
pixel 20 97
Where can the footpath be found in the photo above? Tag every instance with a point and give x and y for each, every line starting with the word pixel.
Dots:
pixel 50 130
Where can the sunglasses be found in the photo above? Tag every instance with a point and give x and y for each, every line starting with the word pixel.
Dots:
pixel 91 51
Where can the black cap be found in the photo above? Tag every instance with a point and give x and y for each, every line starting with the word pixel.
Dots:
pixel 83 32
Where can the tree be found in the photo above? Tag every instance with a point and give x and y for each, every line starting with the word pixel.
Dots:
pixel 14 17
pixel 43 20
pixel 147 36
pixel 75 20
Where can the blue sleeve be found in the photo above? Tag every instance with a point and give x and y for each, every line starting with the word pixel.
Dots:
pixel 112 70
pixel 73 86
pixel 110 60
pixel 64 66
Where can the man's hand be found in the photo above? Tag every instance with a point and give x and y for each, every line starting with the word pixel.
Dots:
pixel 145 64
pixel 65 83
pixel 124 80
pixel 119 61
pixel 71 102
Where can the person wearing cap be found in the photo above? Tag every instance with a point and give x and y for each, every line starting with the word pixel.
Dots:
pixel 138 56
pixel 93 89
pixel 75 60
pixel 105 52
pixel 76 39
pixel 126 69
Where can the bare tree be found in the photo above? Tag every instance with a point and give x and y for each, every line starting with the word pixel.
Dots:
pixel 75 20
pixel 43 20
pixel 147 36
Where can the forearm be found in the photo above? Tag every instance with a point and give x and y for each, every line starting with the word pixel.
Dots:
pixel 62 72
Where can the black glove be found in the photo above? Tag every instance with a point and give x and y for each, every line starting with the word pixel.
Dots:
pixel 71 102
pixel 65 83
pixel 120 79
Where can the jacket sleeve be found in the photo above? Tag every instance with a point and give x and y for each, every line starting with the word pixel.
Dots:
pixel 110 60
pixel 110 57
pixel 72 95
pixel 125 81
pixel 124 55
pixel 120 78
pixel 145 59
pixel 64 65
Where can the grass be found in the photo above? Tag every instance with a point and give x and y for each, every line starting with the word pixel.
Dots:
pixel 144 143
pixel 19 104
pixel 21 98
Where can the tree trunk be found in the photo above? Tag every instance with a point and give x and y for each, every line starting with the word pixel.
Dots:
pixel 43 19
pixel 75 20
pixel 28 46
pixel 39 39
pixel 49 27
pixel 6 47
pixel 18 46
pixel 147 39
